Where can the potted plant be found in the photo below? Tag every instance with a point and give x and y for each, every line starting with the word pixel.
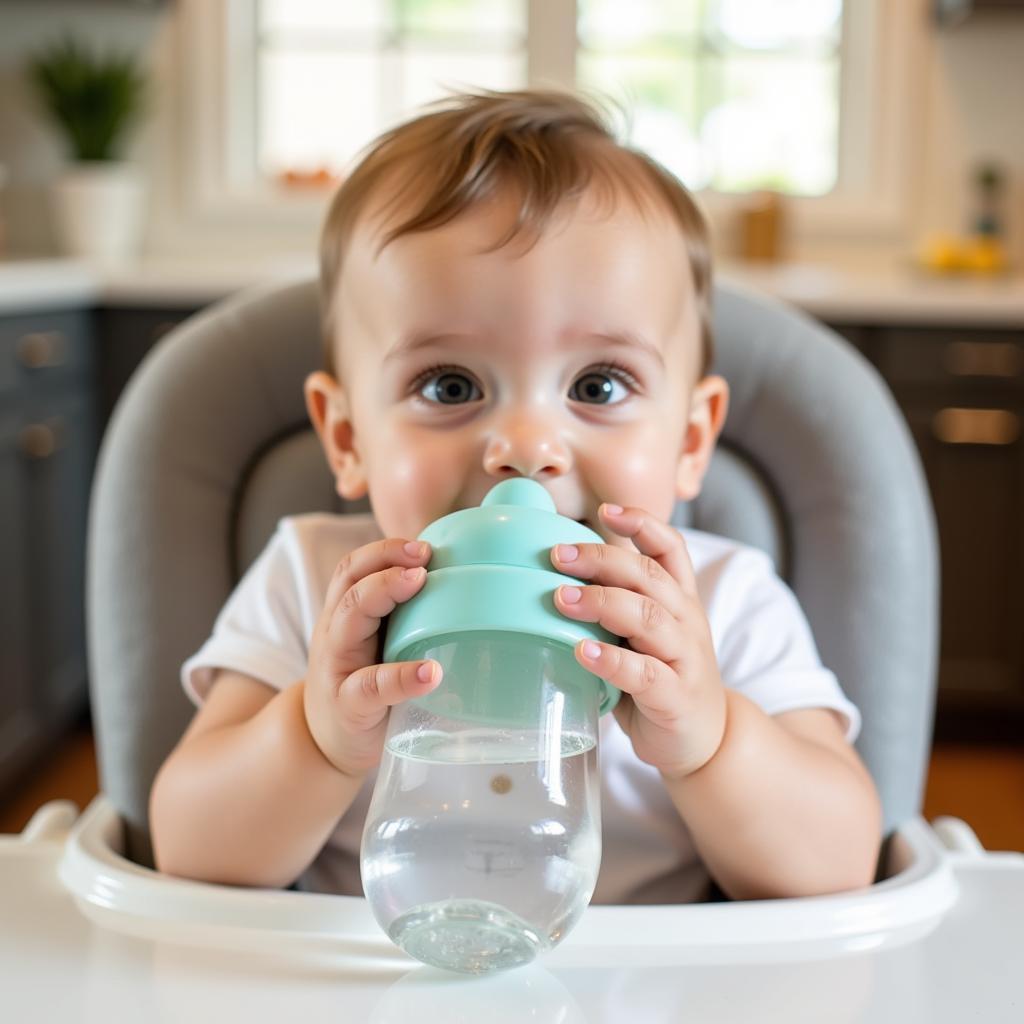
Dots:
pixel 94 101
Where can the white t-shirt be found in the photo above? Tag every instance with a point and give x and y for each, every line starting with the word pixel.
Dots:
pixel 762 641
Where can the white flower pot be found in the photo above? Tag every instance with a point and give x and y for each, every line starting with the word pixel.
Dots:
pixel 98 206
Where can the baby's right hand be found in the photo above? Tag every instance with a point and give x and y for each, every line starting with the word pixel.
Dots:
pixel 347 696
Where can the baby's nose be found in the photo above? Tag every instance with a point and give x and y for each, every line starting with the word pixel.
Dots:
pixel 528 449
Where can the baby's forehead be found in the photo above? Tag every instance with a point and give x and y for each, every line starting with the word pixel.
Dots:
pixel 588 236
pixel 614 265
pixel 593 267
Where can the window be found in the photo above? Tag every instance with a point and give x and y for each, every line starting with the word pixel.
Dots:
pixel 729 94
pixel 331 76
pixel 732 95
pixel 811 97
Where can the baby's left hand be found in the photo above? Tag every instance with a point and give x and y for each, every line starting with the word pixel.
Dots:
pixel 673 705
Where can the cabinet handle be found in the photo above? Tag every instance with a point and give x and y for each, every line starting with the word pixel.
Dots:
pixel 41 440
pixel 983 359
pixel 976 426
pixel 41 349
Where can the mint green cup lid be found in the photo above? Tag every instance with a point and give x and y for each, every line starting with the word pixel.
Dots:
pixel 490 570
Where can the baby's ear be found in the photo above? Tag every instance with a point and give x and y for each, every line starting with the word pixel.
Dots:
pixel 709 405
pixel 330 413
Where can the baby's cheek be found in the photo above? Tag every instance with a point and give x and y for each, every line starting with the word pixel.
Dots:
pixel 639 474
pixel 411 488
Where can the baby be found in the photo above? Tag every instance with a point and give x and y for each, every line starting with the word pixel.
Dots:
pixel 507 291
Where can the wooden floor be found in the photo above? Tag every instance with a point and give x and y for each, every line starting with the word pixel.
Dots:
pixel 982 785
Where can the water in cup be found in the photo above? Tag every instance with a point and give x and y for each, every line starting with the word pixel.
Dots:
pixel 482 846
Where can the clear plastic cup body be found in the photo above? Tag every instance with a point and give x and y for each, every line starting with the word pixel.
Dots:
pixel 482 842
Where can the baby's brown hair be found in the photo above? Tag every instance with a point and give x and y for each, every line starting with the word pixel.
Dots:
pixel 549 146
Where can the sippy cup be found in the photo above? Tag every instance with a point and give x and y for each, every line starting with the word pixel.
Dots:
pixel 483 838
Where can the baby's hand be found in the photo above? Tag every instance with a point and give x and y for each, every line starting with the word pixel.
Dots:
pixel 347 696
pixel 673 704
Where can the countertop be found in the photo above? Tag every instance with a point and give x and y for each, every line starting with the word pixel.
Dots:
pixel 30 285
pixel 886 293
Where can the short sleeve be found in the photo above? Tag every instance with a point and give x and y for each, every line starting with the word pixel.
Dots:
pixel 764 643
pixel 260 630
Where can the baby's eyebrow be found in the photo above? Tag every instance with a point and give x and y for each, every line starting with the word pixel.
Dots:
pixel 417 340
pixel 630 339
pixel 623 338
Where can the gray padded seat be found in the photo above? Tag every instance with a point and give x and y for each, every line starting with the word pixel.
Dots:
pixel 210 445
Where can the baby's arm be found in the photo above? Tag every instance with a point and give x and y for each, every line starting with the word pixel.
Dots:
pixel 784 808
pixel 246 798
pixel 258 782
pixel 777 806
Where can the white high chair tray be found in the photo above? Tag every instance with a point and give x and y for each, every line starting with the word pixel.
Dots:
pixel 86 935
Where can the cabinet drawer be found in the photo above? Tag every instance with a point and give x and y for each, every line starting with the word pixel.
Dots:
pixel 988 360
pixel 35 348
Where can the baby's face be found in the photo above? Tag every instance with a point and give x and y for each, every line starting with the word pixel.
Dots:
pixel 460 368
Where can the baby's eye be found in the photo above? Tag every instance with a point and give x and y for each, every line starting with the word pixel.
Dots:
pixel 595 387
pixel 444 384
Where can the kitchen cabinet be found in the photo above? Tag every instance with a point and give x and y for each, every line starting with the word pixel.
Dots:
pixel 962 393
pixel 60 375
pixel 47 450
pixel 123 337
pixel 953 12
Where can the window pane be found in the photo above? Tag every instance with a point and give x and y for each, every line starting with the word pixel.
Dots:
pixel 318 16
pixel 315 109
pixel 658 92
pixel 612 23
pixel 333 75
pixel 429 76
pixel 775 124
pixel 466 17
pixel 731 94
pixel 761 25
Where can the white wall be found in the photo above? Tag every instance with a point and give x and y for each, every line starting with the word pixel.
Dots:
pixel 972 100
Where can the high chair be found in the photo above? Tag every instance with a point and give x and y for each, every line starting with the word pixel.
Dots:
pixel 210 445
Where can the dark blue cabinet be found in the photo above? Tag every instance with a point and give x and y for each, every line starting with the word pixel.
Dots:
pixel 962 393
pixel 48 440
pixel 61 373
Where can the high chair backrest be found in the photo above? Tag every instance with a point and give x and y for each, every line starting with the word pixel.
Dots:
pixel 210 445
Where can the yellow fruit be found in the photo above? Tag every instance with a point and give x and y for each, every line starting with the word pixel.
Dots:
pixel 985 255
pixel 943 253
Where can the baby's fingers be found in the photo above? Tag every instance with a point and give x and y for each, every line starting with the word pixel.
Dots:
pixel 371 558
pixel 653 686
pixel 357 618
pixel 366 694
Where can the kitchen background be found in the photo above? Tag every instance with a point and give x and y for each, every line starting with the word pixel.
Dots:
pixel 878 184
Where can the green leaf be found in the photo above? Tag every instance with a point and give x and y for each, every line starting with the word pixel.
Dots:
pixel 94 100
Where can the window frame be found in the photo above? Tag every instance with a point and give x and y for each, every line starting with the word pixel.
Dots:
pixel 883 45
